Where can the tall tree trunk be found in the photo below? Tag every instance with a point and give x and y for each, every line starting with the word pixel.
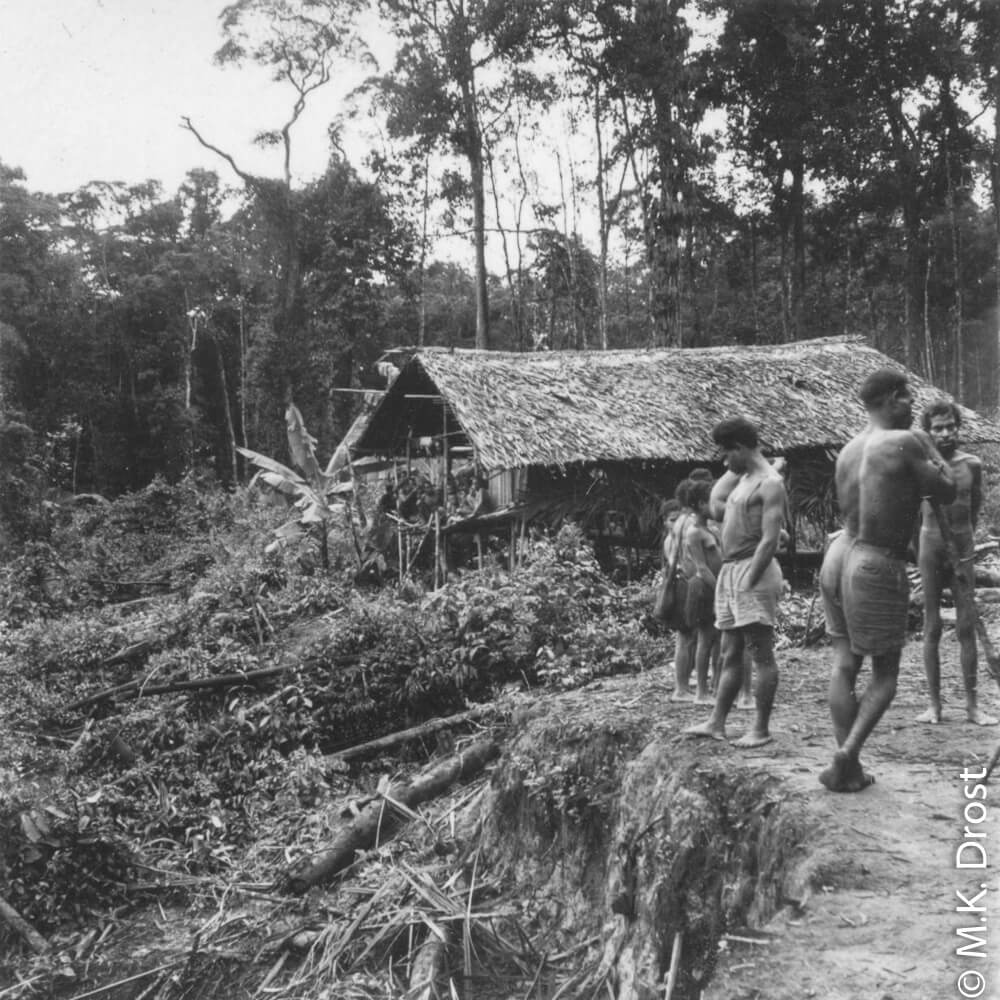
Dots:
pixel 928 341
pixel 422 276
pixel 995 185
pixel 669 217
pixel 603 226
pixel 754 280
pixel 798 241
pixel 515 312
pixel 957 308
pixel 474 138
pixel 243 372
pixel 227 413
pixel 193 319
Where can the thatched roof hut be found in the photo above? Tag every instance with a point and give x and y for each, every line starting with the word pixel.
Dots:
pixel 565 411
pixel 555 409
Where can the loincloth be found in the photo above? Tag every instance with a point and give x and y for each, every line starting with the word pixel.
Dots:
pixel 699 604
pixel 875 594
pixel 830 589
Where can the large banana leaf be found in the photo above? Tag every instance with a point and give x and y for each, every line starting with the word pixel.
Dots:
pixel 302 445
pixel 272 466
pixel 276 482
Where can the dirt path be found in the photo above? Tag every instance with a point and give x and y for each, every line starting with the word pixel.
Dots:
pixel 884 927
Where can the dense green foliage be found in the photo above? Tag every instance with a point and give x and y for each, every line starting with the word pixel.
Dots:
pixel 632 173
pixel 204 769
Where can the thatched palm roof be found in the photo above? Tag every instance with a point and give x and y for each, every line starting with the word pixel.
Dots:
pixel 559 408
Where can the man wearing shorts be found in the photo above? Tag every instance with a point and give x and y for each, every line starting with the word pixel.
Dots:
pixel 881 476
pixel 751 502
pixel 943 421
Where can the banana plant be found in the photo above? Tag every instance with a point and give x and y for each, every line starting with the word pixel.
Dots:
pixel 309 490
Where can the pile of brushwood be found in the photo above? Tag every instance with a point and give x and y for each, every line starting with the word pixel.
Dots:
pixel 189 712
pixel 174 697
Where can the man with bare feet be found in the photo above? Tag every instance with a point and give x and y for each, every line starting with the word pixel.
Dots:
pixel 881 476
pixel 943 421
pixel 751 503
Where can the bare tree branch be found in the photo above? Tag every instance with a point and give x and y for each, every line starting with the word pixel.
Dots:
pixel 247 179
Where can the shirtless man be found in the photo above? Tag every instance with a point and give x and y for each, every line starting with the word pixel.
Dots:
pixel 942 420
pixel 751 503
pixel 881 475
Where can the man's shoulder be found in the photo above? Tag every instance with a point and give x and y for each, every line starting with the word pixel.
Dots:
pixel 966 458
pixel 897 442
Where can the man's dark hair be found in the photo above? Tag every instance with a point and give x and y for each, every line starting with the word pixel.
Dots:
pixel 734 432
pixel 701 475
pixel 698 492
pixel 681 492
pixel 941 408
pixel 881 384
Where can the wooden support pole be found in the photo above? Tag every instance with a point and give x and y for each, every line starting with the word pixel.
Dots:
pixel 401 575
pixel 437 546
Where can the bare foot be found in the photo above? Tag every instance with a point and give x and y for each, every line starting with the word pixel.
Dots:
pixel 845 774
pixel 834 777
pixel 932 715
pixel 981 718
pixel 704 699
pixel 749 740
pixel 745 703
pixel 706 729
pixel 857 778
pixel 683 695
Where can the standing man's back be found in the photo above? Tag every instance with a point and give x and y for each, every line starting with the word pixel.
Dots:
pixel 881 476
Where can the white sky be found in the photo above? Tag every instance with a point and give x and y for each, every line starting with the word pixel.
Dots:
pixel 96 89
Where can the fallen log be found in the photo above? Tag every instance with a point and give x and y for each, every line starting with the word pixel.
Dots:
pixel 140 689
pixel 383 818
pixel 404 735
pixel 430 963
pixel 16 922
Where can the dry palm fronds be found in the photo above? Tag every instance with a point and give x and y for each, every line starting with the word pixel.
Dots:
pixel 561 408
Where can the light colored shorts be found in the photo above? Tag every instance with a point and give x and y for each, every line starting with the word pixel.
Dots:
pixel 830 575
pixel 876 599
pixel 736 605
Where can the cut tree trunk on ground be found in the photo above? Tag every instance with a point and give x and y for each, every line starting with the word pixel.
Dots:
pixel 430 964
pixel 382 819
pixel 138 689
pixel 405 735
pixel 16 922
